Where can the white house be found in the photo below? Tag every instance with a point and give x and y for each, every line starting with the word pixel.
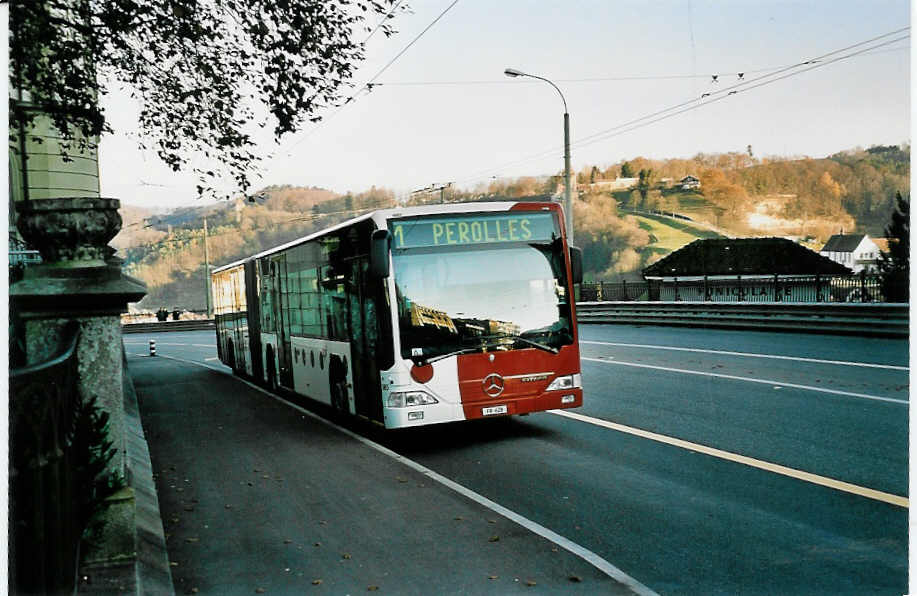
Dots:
pixel 689 182
pixel 856 251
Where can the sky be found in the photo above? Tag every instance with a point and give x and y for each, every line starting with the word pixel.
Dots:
pixel 445 112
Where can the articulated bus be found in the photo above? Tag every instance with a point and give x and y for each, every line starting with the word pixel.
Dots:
pixel 414 315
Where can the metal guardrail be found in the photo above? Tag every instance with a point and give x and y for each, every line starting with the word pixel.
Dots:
pixel 192 325
pixel 884 319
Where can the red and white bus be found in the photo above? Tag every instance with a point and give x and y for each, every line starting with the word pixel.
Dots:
pixel 414 315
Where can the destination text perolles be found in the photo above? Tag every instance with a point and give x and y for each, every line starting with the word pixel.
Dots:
pixel 480 229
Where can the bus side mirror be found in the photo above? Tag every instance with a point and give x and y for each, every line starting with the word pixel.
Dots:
pixel 378 254
pixel 576 264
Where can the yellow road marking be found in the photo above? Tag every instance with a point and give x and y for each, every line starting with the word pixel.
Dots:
pixel 742 459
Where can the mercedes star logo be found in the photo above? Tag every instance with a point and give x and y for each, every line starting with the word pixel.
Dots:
pixel 493 385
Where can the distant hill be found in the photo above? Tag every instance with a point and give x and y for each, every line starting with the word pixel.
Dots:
pixel 167 250
pixel 621 231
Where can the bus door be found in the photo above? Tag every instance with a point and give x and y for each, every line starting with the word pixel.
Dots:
pixel 281 310
pixel 364 341
pixel 254 317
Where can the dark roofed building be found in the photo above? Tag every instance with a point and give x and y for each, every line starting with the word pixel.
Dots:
pixel 743 256
pixel 746 269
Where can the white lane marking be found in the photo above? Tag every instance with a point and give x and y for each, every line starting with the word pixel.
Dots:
pixel 734 457
pixel 204 345
pixel 748 355
pixel 210 359
pixel 590 557
pixel 751 380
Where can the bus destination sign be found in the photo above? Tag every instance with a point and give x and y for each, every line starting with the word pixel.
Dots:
pixel 481 228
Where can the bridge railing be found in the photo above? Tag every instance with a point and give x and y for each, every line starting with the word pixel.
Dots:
pixel 44 483
pixel 887 320
pixel 860 287
pixel 163 314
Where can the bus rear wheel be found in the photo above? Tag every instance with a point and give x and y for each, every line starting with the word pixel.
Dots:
pixel 271 371
pixel 231 357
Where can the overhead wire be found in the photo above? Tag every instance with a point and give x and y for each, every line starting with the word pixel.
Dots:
pixel 368 85
pixel 382 21
pixel 581 80
pixel 716 95
pixel 612 133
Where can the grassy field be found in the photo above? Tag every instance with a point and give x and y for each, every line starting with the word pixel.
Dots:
pixel 667 235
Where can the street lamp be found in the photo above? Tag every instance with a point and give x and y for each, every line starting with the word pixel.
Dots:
pixel 568 198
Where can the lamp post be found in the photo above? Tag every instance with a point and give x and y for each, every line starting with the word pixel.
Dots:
pixel 568 197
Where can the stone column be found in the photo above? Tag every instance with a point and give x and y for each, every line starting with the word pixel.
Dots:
pixel 79 280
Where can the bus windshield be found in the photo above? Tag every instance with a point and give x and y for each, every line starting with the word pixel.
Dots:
pixel 481 296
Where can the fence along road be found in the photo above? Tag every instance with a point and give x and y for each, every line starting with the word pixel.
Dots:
pixel 889 320
pixel 685 521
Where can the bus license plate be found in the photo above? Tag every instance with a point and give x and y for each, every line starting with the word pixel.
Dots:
pixel 493 410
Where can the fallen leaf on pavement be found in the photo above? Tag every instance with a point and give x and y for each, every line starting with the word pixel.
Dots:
pixel 494 539
pixel 316 582
pixel 575 579
pixel 493 576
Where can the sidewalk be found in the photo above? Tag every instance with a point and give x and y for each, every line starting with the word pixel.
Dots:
pixel 257 497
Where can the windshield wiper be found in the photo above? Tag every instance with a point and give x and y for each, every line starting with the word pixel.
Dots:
pixel 524 340
pixel 489 341
pixel 422 361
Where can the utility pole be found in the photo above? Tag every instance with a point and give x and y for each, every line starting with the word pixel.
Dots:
pixel 207 272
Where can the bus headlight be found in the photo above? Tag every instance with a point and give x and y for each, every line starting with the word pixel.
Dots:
pixel 409 399
pixel 566 382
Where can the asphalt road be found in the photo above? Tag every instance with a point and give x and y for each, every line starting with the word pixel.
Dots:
pixel 703 461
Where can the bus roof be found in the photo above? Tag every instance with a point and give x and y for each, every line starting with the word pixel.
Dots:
pixel 382 215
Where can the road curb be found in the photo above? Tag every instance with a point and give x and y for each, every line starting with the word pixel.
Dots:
pixel 149 571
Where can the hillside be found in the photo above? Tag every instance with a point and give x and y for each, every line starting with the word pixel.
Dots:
pixel 668 234
pixel 809 198
pixel 621 231
pixel 167 250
